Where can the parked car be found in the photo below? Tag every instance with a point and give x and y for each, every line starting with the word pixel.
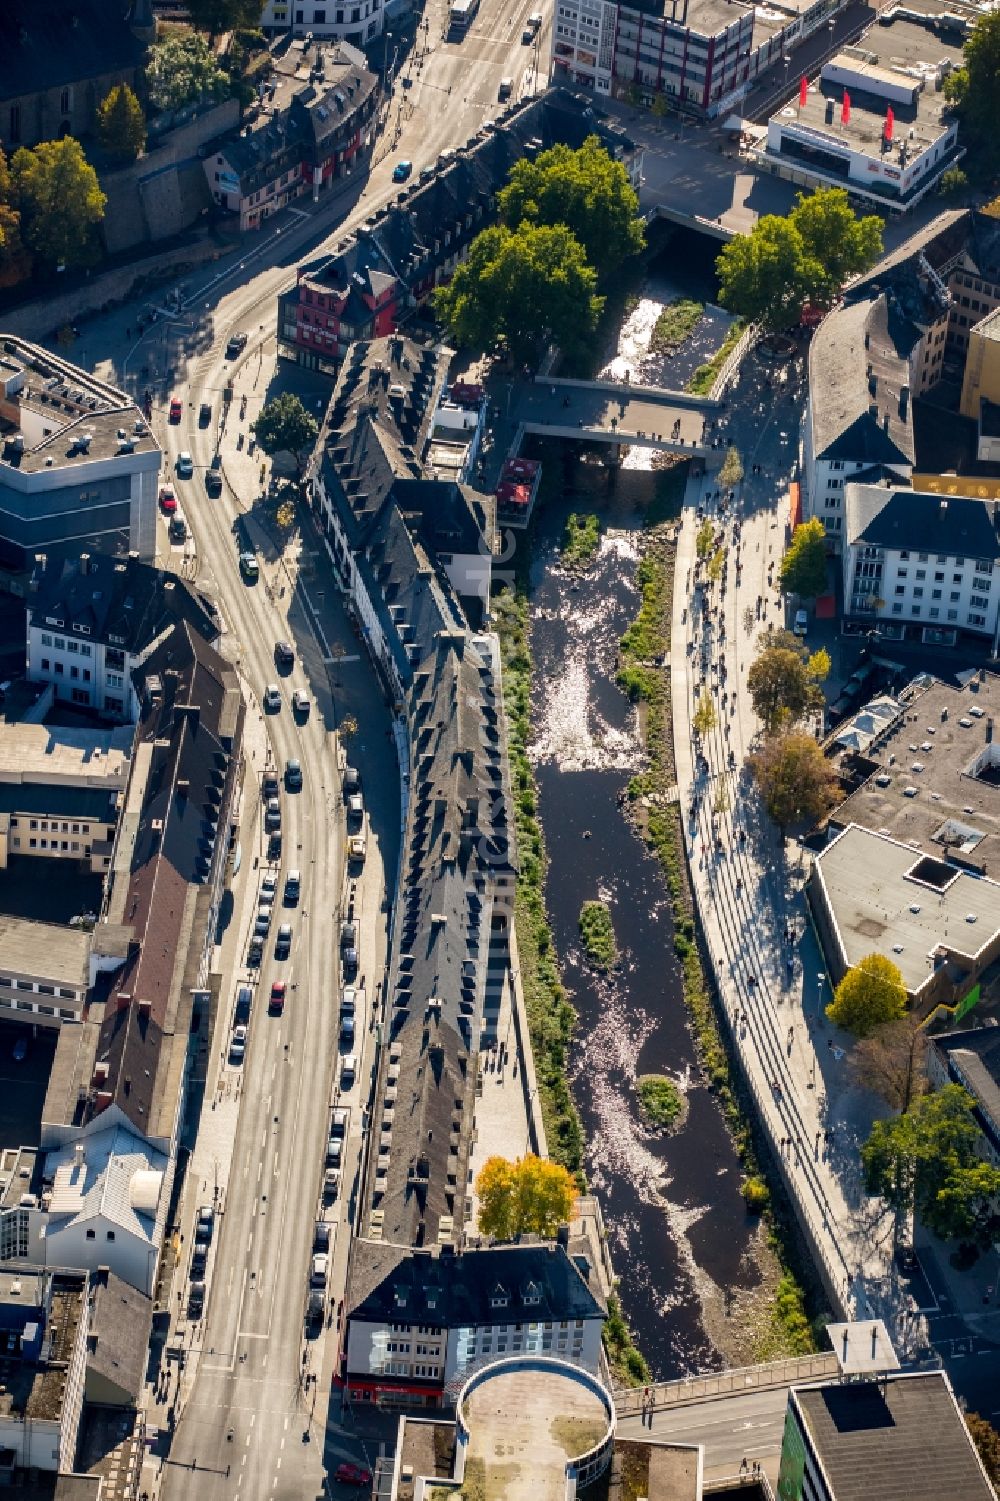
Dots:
pixel 244 1002
pixel 272 698
pixel 356 847
pixel 321 1236
pixel 318 1270
pixel 176 408
pixel 199 1261
pixel 237 344
pixel 527 37
pixel 283 942
pixel 177 530
pixel 168 500
pixel 355 807
pixel 272 814
pixel 20 1050
pixel 262 924
pixel 801 622
pixel 293 776
pixel 316 1306
pixel 348 1001
pixel 300 703
pixel 338 1122
pixel 238 1045
pixel 276 1001
pixel 204 1227
pixel 196 1300
pixel 269 785
pixel 352 779
pixel 348 1070
pixel 255 952
pixel 274 846
pixel 334 1152
pixel 185 465
pixel 269 886
pixel 331 1183
pixel 401 171
pixel 347 1032
pixel 352 1474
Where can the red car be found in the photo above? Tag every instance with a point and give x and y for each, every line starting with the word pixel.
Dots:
pixel 168 500
pixel 176 409
pixel 277 1001
pixel 350 1474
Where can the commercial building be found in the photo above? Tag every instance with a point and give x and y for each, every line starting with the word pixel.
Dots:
pixel 418 1322
pixel 972 1059
pixel 896 573
pixel 57 63
pixel 701 56
pixel 43 1316
pixel 894 1435
pixel 314 117
pixel 981 383
pixel 59 789
pixel 92 617
pixel 45 971
pixel 938 923
pixel 78 463
pixel 875 121
pixel 355 21
pixel 378 275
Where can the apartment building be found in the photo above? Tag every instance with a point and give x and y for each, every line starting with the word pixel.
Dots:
pixel 354 21
pixel 78 463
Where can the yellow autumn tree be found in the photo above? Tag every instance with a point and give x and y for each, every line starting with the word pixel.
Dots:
pixel 528 1196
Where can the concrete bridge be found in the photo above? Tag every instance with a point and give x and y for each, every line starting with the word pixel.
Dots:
pixel 688 220
pixel 616 413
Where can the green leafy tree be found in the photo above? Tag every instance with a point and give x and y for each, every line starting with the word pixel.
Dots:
pixel 975 88
pixel 15 263
pixel 530 1196
pixel 732 469
pixel 704 538
pixel 954 183
pixel 783 680
pixel 795 779
pixel 717 564
pixel 987 1441
pixel 183 68
pixel 704 718
pixel 215 16
pixel 660 106
pixel 121 124
pixel 60 202
pixel 284 426
pixel 835 238
pixel 871 994
pixel 526 286
pixel 803 568
pixel 587 191
pixel 766 276
pixel 927 1159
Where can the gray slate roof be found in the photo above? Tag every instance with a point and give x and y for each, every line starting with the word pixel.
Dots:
pixel 921 522
pixel 855 417
pixel 121 1318
pixel 105 596
pixel 47 43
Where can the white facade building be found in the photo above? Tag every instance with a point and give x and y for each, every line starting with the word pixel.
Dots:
pixel 931 561
pixel 356 21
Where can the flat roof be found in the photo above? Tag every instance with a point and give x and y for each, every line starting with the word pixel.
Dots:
pixel 54 752
pixel 902 1439
pixel 953 813
pixel 882 898
pixel 917 127
pixel 46 950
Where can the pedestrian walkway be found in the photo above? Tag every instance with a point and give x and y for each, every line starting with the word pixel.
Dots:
pixel 766 966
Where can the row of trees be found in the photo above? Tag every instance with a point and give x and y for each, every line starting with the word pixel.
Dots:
pixel 567 221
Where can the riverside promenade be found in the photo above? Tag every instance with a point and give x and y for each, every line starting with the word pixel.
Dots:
pixel 766 965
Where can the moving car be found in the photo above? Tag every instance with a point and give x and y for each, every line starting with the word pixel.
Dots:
pixel 177 530
pixel 352 1474
pixel 505 90
pixel 20 1051
pixel 237 344
pixel 213 483
pixel 527 37
pixel 204 414
pixel 238 1045
pixel 168 500
pixel 293 887
pixel 276 1001
pixel 176 408
pixel 401 171
pixel 185 465
pixel 284 656
pixel 249 567
pixel 293 776
pixel 272 698
pixel 300 703
pixel 283 942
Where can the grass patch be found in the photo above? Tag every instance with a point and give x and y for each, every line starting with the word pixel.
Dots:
pixel 661 1100
pixel 575 1436
pixel 676 323
pixel 703 379
pixel 627 1362
pixel 659 822
pixel 550 1015
pixel 598 936
pixel 581 540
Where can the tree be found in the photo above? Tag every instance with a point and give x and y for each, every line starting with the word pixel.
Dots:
pixel 987 1441
pixel 889 1061
pixel 870 994
pixel 527 286
pixel 659 106
pixel 803 568
pixel 783 680
pixel 795 779
pixel 704 538
pixel 927 1159
pixel 974 88
pixel 704 718
pixel 587 191
pixel 15 263
pixel 121 124
pixel 529 1196
pixel 732 469
pixel 181 69
pixel 60 202
pixel 215 16
pixel 766 276
pixel 835 238
pixel 954 183
pixel 284 426
pixel 717 564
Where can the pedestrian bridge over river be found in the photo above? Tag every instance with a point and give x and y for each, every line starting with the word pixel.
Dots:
pixel 613 412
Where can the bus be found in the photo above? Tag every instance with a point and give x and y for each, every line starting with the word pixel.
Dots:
pixel 462 15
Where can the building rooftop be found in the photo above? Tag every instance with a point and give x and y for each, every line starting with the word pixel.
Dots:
pixel 917 910
pixel 52 754
pixel 973 1060
pixel 118 1332
pixel 856 416
pixel 112 1175
pixel 60 954
pixel 43 45
pixel 903 1439
pixel 55 415
pixel 921 522
pixel 119 601
pixel 955 812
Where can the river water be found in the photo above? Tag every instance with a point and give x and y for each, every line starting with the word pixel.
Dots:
pixel 680 1238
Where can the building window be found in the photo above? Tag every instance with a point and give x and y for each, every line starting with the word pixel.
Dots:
pixel 977 620
pixel 46 665
pixel 91 1234
pixel 46 639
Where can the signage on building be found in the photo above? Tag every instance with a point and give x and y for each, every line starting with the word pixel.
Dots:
pixel 228 182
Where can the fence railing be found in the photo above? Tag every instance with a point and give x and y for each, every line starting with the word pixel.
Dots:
pixel 754 1378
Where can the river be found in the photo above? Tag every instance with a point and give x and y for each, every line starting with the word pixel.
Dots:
pixel 681 1241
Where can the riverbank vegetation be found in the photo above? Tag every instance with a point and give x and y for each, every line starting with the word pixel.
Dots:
pixel 676 322
pixel 597 935
pixel 703 379
pixel 549 1012
pixel 581 540
pixel 662 1102
pixel 627 1362
pixel 787 1330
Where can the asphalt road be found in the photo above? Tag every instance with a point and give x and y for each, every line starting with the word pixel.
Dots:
pixel 730 1428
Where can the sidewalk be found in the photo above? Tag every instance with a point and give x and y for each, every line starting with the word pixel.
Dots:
pixel 766 965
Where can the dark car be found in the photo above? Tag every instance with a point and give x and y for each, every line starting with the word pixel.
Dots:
pixel 255 952
pixel 177 530
pixel 274 847
pixel 213 483
pixel 204 414
pixel 284 654
pixel 237 344
pixel 293 776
